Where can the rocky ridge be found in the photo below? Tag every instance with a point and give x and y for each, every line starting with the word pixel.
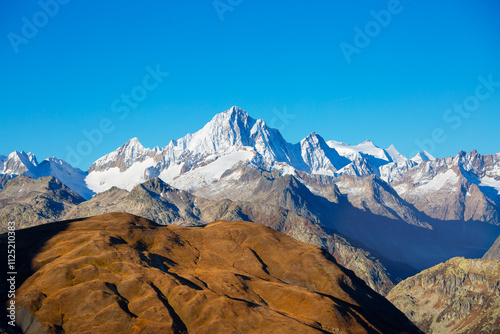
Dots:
pixel 30 202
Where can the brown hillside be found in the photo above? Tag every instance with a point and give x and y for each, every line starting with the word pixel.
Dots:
pixel 119 273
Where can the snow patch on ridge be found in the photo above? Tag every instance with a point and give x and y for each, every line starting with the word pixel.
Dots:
pixel 210 173
pixel 447 179
pixel 491 183
pixel 99 181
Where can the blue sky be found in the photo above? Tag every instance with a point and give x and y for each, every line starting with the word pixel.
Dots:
pixel 405 87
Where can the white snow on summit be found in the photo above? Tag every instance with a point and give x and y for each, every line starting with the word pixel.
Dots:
pixel 422 156
pixel 209 174
pixel 235 131
pixel 395 155
pixel 127 154
pixel 367 159
pixel 17 163
pixel 367 148
pixel 319 157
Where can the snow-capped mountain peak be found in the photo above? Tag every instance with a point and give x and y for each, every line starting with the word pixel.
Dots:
pixel 133 142
pixel 235 131
pixel 395 155
pixel 319 157
pixel 312 138
pixel 225 135
pixel 226 129
pixel 133 149
pixel 375 156
pixel 368 143
pixel 26 158
pixel 123 157
pixel 422 156
pixel 18 162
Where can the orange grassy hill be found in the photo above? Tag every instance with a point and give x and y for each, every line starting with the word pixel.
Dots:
pixel 119 273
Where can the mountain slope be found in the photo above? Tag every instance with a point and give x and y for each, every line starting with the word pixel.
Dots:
pixel 459 296
pixel 29 202
pixel 374 195
pixel 121 273
pixel 152 199
pixel 494 251
pixel 376 217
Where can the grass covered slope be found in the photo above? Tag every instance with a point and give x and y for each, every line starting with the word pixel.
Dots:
pixel 120 273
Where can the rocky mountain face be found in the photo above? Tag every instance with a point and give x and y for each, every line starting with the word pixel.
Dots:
pixel 17 163
pixel 372 194
pixel 494 251
pixel 226 158
pixel 459 296
pixel 373 215
pixel 30 202
pixel 153 199
pixel 364 231
pixel 461 188
pixel 366 158
pixel 4 179
pixel 121 273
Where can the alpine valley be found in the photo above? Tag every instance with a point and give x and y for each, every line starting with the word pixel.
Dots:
pixel 395 222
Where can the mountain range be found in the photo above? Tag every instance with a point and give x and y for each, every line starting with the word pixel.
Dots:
pixel 210 163
pixel 378 213
pixel 233 137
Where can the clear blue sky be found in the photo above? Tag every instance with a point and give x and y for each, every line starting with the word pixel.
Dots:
pixel 262 57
